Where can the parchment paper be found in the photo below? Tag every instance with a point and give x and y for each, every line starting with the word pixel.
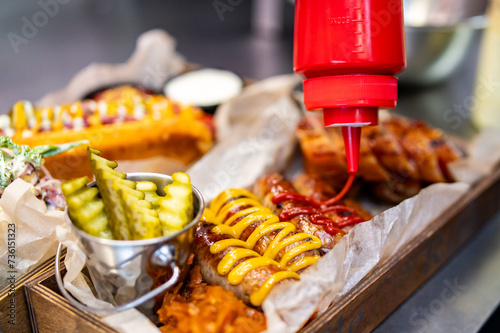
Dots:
pixel 37 234
pixel 34 233
pixel 289 306
pixel 257 136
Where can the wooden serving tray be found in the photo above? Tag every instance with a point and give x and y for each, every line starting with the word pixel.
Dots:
pixel 18 297
pixel 50 312
pixel 360 310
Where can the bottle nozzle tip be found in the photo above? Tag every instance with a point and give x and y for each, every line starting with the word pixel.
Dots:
pixel 352 138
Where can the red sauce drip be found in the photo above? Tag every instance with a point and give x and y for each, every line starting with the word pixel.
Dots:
pixel 318 208
pixel 298 197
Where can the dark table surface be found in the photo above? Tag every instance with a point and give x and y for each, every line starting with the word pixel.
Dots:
pixel 77 33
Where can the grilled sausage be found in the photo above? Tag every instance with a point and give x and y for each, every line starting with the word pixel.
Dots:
pixel 272 185
pixel 204 238
pixel 246 234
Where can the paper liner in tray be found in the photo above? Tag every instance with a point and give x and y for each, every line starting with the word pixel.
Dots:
pixel 289 306
pixel 27 231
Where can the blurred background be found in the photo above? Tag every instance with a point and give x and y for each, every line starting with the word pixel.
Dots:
pixel 82 32
pixel 251 38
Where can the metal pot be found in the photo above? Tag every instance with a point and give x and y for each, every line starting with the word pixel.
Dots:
pixel 434 52
pixel 439 34
pixel 120 270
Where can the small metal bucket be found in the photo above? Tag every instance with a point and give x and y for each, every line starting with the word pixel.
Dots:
pixel 121 270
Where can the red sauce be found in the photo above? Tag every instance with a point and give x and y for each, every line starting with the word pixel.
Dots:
pixel 317 209
pixel 298 197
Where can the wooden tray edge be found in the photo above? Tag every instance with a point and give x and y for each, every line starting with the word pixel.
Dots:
pixel 427 252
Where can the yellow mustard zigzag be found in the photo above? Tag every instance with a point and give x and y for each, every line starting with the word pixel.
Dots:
pixel 253 211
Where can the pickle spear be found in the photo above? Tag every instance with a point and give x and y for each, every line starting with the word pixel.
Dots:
pixel 109 182
pixel 85 207
pixel 176 208
pixel 127 210
pixel 149 189
pixel 143 220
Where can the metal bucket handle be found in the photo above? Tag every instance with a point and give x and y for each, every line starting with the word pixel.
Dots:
pixel 132 304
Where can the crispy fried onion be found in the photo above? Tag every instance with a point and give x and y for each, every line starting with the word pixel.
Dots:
pixel 200 308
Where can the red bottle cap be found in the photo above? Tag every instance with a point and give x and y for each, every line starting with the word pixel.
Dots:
pixel 350 91
pixel 350 116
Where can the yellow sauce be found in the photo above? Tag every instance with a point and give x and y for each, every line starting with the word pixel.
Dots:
pixel 19 117
pixel 258 297
pixel 227 202
pixel 88 113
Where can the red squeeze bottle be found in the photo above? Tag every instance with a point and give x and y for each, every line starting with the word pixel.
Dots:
pixel 349 52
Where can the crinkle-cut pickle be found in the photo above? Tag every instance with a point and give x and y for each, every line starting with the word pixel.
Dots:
pixel 85 207
pixel 176 208
pixel 149 189
pixel 109 182
pixel 127 210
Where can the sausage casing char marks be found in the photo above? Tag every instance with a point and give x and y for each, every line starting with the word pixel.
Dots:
pixel 316 188
pixel 272 185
